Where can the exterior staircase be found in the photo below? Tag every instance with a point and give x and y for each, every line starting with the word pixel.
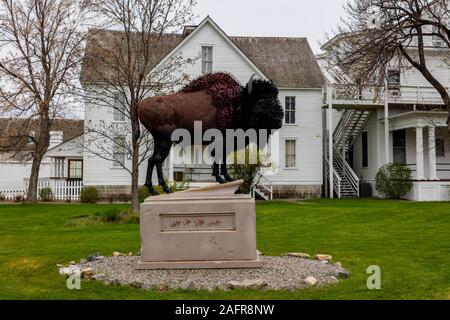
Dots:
pixel 263 190
pixel 350 127
pixel 345 180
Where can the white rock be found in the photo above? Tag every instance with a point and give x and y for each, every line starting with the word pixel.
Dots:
pixel 87 273
pixel 247 284
pixel 338 264
pixel 311 281
pixel 70 270
pixel 299 255
pixel 118 254
pixel 325 257
pixel 334 279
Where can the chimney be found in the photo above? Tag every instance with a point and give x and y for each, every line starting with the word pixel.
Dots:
pixel 187 30
pixel 56 138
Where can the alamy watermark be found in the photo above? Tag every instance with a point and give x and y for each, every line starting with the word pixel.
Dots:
pixel 374 281
pixel 220 143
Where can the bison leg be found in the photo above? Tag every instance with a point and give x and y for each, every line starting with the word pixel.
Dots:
pixel 225 174
pixel 148 180
pixel 164 150
pixel 216 174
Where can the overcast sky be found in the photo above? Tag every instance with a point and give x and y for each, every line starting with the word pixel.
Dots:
pixel 282 18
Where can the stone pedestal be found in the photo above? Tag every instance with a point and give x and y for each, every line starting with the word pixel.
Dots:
pixel 199 229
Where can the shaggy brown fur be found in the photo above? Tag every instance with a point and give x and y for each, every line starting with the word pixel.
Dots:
pixel 224 90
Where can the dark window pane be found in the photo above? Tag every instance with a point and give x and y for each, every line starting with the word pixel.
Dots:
pixel 399 142
pixel 365 150
pixel 440 147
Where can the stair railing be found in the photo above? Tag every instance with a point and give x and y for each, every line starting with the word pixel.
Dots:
pixel 337 180
pixel 348 172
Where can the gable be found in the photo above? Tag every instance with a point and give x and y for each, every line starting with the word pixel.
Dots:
pixel 225 56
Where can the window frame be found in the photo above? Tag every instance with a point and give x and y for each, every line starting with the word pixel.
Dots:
pixel 69 163
pixel 211 61
pixel 392 73
pixel 119 109
pixel 365 150
pixel 118 164
pixel 292 110
pixel 295 141
pixel 395 148
pixel 438 154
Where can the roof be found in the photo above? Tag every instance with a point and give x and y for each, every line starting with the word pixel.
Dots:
pixel 14 133
pixel 289 62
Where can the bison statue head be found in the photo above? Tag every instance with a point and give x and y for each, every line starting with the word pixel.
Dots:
pixel 259 106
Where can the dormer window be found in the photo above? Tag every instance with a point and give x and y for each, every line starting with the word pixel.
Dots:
pixel 393 79
pixel 31 137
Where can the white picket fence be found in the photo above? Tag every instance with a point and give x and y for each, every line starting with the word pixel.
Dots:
pixel 62 190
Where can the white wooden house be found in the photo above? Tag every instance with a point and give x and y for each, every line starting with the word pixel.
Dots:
pixel 61 168
pixel 404 122
pixel 289 62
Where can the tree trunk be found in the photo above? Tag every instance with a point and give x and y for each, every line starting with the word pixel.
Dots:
pixel 135 136
pixel 34 178
pixel 135 181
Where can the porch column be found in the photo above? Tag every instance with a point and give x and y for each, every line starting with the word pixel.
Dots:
pixel 432 152
pixel 386 124
pixel 420 174
pixel 330 138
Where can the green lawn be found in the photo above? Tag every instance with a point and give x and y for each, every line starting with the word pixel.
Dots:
pixel 409 241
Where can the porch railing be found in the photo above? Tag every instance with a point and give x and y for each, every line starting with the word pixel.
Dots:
pixel 62 190
pixel 373 95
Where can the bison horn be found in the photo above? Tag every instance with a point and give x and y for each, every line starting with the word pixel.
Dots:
pixel 250 84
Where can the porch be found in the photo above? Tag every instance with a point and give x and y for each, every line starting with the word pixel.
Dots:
pixel 403 134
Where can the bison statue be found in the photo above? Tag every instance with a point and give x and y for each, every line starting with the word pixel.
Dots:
pixel 219 102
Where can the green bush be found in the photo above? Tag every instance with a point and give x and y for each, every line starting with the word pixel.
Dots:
pixel 393 181
pixel 143 194
pixel 46 194
pixel 111 198
pixel 250 173
pixel 117 216
pixel 111 215
pixel 124 197
pixel 89 195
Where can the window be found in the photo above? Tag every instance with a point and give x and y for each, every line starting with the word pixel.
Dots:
pixel 290 110
pixel 394 78
pixel 207 60
pixel 399 146
pixel 440 147
pixel 435 31
pixel 119 107
pixel 365 150
pixel 290 154
pixel 76 169
pixel 31 137
pixel 119 152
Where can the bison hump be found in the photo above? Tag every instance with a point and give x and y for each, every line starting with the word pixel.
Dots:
pixel 224 90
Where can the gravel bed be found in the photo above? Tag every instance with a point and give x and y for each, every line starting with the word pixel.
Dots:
pixel 278 273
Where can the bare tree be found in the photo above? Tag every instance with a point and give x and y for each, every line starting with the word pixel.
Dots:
pixel 124 64
pixel 379 32
pixel 41 47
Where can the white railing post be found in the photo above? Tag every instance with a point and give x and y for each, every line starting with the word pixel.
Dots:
pixel 330 137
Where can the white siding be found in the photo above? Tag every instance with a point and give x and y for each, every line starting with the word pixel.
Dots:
pixel 308 133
